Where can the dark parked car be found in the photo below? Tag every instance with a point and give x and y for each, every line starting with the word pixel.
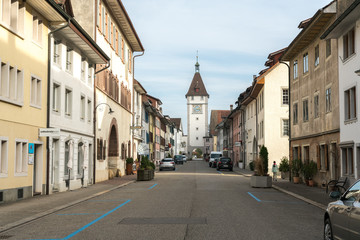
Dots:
pixel 342 218
pixel 224 163
pixel 167 163
pixel 178 159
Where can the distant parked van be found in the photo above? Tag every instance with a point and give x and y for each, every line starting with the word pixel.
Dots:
pixel 214 155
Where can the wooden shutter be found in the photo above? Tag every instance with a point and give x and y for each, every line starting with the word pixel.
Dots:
pixel 106 25
pixel 326 156
pixel 318 157
pixel 116 42
pixel 111 35
pixel 122 50
pixel 98 149
pixel 104 150
pixel 99 16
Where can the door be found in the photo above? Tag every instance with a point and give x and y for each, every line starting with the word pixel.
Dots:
pixel 55 164
pixel 37 175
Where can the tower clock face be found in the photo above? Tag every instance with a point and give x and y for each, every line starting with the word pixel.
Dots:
pixel 196 108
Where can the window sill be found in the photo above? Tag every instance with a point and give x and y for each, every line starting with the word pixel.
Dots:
pixel 22 174
pixel 39 44
pixel 4 99
pixel 350 121
pixel 348 59
pixel 55 111
pixel 3 175
pixel 16 33
pixel 35 106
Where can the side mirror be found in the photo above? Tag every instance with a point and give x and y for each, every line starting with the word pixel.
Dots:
pixel 335 195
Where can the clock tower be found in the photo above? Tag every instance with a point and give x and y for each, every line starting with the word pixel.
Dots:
pixel 197 111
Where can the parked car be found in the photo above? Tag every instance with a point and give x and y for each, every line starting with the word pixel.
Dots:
pixel 224 163
pixel 341 219
pixel 214 155
pixel 178 159
pixel 184 158
pixel 167 163
pixel 214 163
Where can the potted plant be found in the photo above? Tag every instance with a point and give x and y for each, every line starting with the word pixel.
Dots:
pixel 284 167
pixel 296 167
pixel 129 166
pixel 309 170
pixel 146 171
pixel 261 177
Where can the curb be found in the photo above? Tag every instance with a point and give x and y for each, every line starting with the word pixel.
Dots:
pixel 50 211
pixel 316 204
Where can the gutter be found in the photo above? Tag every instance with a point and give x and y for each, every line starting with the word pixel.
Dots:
pixel 48 105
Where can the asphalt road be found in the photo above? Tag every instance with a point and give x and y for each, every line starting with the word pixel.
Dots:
pixel 193 202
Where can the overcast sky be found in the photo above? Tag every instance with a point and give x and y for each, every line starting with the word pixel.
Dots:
pixel 233 37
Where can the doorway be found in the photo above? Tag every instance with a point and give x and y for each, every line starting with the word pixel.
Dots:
pixel 38 169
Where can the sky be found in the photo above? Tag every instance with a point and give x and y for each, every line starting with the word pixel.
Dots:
pixel 233 39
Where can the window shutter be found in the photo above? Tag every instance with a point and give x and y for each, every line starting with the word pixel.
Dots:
pixel 318 157
pixel 99 15
pixel 326 157
pixel 98 149
pixel 104 150
pixel 300 153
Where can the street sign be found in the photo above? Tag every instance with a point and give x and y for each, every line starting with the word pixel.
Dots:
pixel 49 132
pixel 237 144
pixel 136 127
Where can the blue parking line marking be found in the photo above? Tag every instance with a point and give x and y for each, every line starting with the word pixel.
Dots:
pixel 152 186
pixel 220 173
pixel 254 197
pixel 96 220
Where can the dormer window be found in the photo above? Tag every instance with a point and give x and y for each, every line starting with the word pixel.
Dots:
pixel 196 90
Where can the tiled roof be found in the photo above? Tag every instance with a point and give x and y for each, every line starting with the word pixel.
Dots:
pixel 197 87
pixel 216 117
pixel 177 122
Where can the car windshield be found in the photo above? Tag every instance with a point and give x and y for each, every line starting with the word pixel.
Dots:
pixel 167 160
pixel 178 157
pixel 353 192
pixel 225 160
pixel 215 155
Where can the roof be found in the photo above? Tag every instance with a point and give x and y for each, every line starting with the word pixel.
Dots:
pixel 74 34
pixel 216 117
pixel 123 19
pixel 197 87
pixel 347 18
pixel 138 87
pixel 311 29
pixel 176 121
pixel 154 99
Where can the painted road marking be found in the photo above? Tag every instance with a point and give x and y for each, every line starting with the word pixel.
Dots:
pixel 254 197
pixel 96 220
pixel 220 173
pixel 66 214
pixel 152 186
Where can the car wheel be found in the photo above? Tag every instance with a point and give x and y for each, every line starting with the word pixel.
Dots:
pixel 230 169
pixel 174 169
pixel 218 169
pixel 328 235
pixel 209 164
pixel 160 169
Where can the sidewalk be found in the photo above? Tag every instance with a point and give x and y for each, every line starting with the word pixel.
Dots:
pixel 312 195
pixel 22 211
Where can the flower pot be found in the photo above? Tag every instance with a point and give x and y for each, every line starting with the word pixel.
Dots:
pixel 260 181
pixel 296 180
pixel 145 175
pixel 311 183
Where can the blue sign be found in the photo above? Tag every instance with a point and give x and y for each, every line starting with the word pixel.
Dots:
pixel 31 148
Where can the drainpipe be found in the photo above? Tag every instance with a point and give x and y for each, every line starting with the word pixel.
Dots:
pixel 289 113
pixel 133 100
pixel 48 106
pixel 94 127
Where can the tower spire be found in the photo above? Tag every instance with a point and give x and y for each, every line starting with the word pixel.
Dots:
pixel 197 65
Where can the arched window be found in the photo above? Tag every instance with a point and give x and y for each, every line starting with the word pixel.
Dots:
pixel 113 144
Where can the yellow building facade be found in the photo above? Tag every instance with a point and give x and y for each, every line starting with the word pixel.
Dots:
pixel 23 100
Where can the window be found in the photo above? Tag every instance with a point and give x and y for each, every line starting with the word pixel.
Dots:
pixel 83 69
pixel 21 157
pixel 328 100
pixel 328 47
pixel 13 15
pixel 197 128
pixel 306 62
pixel 197 138
pixel 3 157
pixel 306 154
pixel 108 31
pixel 285 96
pixel 56 98
pixel 57 51
pixel 130 60
pixel 69 53
pixel 317 59
pixel 295 113
pixel 118 43
pixel 295 69
pixel 80 159
pixel 347 154
pixel 305 110
pixel 11 84
pixel 82 107
pixel 37 30
pixel 68 147
pixel 316 106
pixel 349 43
pixel 89 110
pixel 113 37
pixel 350 103
pixel 90 75
pixel 285 127
pixel 103 21
pixel 68 102
pixel 35 96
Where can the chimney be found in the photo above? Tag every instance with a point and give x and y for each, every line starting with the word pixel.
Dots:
pixel 231 107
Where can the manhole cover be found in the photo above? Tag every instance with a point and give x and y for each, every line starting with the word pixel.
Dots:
pixel 163 221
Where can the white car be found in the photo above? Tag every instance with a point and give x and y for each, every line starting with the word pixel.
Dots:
pixel 214 155
pixel 184 158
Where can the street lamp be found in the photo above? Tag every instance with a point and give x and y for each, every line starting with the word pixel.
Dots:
pixel 110 110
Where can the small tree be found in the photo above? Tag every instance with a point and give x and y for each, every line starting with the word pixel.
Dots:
pixel 284 165
pixel 264 155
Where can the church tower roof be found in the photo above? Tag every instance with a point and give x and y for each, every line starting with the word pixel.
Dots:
pixel 197 87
